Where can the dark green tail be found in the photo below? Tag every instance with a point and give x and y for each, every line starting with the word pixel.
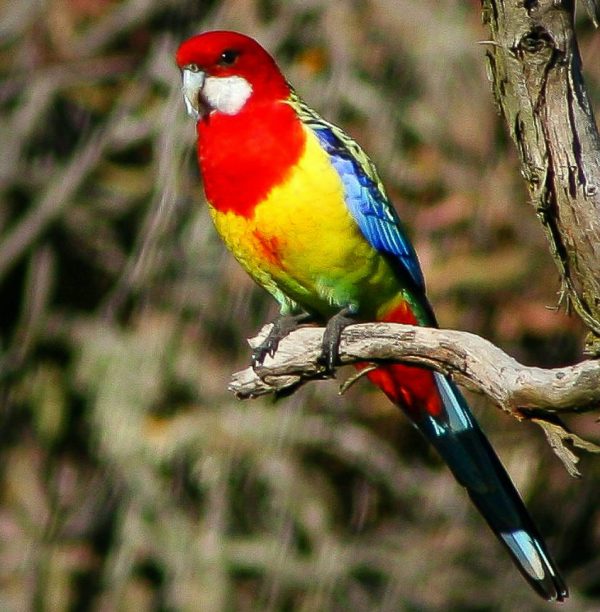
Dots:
pixel 466 450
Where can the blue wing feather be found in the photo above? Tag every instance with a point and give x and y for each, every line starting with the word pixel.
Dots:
pixel 368 204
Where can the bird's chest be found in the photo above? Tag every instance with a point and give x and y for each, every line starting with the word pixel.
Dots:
pixel 301 235
pixel 302 227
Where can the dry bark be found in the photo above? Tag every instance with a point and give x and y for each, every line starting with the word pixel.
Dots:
pixel 535 68
pixel 474 362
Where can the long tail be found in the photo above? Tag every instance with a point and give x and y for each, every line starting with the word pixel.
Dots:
pixel 439 411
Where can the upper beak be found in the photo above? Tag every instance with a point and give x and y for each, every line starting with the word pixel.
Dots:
pixel 193 81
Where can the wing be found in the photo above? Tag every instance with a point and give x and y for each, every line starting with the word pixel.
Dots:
pixel 365 194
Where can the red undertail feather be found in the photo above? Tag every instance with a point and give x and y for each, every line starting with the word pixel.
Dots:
pixel 412 388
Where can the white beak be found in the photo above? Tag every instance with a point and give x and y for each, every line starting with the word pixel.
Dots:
pixel 193 81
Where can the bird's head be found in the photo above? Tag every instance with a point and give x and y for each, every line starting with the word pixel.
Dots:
pixel 225 72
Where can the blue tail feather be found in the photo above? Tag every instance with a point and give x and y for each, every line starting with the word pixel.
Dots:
pixel 470 457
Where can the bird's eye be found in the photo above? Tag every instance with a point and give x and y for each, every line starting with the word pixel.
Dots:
pixel 193 67
pixel 228 57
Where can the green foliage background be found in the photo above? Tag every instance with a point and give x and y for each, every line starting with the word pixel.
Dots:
pixel 129 478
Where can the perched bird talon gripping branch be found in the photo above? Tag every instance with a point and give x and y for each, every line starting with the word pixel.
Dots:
pixel 282 326
pixel 302 208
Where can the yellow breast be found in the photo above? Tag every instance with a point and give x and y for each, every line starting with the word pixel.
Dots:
pixel 302 243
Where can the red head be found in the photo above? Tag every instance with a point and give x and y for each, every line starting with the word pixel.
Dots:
pixel 224 72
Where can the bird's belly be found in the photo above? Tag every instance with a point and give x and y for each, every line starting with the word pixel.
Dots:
pixel 303 244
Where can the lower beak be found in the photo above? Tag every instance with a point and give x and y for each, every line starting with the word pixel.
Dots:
pixel 192 87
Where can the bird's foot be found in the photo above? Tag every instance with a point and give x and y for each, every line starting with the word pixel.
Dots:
pixel 330 351
pixel 282 326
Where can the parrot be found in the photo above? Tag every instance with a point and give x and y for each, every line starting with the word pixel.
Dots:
pixel 302 208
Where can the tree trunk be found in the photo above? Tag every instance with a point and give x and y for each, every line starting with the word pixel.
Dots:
pixel 535 69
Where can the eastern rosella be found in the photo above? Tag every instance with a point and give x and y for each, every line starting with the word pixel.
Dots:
pixel 302 208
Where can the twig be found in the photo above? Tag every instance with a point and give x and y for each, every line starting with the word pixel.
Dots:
pixel 557 435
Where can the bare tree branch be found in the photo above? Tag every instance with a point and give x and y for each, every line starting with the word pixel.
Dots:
pixel 472 361
pixel 535 67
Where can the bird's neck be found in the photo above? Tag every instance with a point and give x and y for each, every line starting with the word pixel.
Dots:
pixel 243 157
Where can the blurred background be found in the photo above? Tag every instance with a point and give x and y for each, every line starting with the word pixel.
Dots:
pixel 130 479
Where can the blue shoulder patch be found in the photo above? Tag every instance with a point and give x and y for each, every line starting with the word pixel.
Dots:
pixel 370 207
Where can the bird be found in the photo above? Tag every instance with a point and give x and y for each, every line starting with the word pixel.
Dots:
pixel 302 208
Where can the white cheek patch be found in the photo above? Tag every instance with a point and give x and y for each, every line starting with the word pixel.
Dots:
pixel 227 94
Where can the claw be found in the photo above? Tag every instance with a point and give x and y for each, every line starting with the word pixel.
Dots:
pixel 282 326
pixel 330 352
